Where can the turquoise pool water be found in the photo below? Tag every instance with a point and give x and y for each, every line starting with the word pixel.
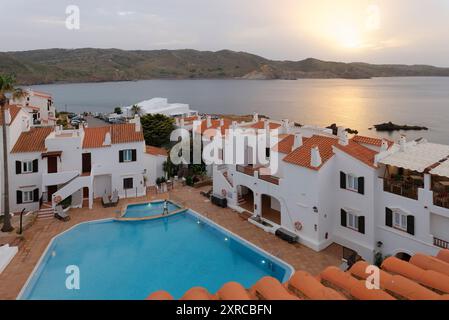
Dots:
pixel 130 260
pixel 142 210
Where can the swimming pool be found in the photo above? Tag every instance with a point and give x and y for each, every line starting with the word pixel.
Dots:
pixel 130 260
pixel 148 209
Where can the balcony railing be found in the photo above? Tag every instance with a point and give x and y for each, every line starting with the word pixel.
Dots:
pixel 270 179
pixel 441 199
pixel 249 170
pixel 440 243
pixel 402 188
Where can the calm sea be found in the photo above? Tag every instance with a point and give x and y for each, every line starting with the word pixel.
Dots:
pixel 357 104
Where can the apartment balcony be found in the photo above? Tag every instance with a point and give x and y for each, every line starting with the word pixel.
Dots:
pixel 270 179
pixel 250 169
pixel 441 199
pixel 440 243
pixel 246 169
pixel 405 187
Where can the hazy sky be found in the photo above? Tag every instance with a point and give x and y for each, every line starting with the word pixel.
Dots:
pixel 382 31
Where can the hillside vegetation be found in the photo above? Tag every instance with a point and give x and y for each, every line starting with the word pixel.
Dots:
pixel 94 65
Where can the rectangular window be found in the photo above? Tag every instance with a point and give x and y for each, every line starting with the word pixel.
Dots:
pixel 353 221
pixel 128 183
pixel 352 182
pixel 400 221
pixel 27 196
pixel 27 166
pixel 127 155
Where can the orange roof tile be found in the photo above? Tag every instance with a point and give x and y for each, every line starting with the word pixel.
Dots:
pixel 215 124
pixel 120 133
pixel 301 156
pixel 261 125
pixel 126 132
pixel 32 141
pixel 155 151
pixel 269 288
pixel 371 141
pixel 430 263
pixel 443 255
pixel 13 110
pixel 311 288
pixel 359 152
pixel 428 278
pixel 94 137
pixel 285 144
pixel 397 285
pixel 160 295
pixel 233 291
pixel 197 293
pixel 351 286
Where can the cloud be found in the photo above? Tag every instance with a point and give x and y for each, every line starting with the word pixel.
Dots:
pixel 125 13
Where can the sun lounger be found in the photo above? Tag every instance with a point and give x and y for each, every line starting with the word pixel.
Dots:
pixel 105 201
pixel 115 198
pixel 61 214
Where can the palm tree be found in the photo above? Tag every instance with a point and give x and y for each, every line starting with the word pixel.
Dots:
pixel 7 90
pixel 135 109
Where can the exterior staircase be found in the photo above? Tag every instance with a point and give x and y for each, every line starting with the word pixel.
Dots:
pixel 241 200
pixel 45 213
pixel 225 174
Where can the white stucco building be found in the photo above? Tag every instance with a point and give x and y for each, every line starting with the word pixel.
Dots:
pixel 48 164
pixel 39 105
pixel 366 194
pixel 161 106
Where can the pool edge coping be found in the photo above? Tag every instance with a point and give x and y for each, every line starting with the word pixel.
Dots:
pixel 197 214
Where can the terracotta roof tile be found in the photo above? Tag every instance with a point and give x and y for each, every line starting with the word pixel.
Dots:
pixel 155 151
pixel 120 133
pixel 261 125
pixel 359 152
pixel 126 132
pixel 94 137
pixel 334 284
pixel 301 156
pixel 215 124
pixel 371 141
pixel 14 111
pixel 32 141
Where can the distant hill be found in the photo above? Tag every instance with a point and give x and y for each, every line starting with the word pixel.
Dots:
pixel 95 65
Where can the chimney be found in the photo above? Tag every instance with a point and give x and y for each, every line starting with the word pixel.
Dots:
pixel 384 146
pixel 234 125
pixel 315 157
pixel 208 122
pixel 266 125
pixel 107 139
pixel 343 138
pixel 137 126
pixel 286 126
pixel 198 118
pixel 402 143
pixel 221 122
pixel 297 142
pixel 256 117
pixel 7 116
pixel 340 131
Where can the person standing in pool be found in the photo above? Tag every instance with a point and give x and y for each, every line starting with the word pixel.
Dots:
pixel 165 208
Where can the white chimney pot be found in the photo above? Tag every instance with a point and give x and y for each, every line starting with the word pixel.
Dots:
pixel 315 157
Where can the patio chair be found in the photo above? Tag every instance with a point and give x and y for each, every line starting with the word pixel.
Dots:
pixel 114 199
pixel 105 201
pixel 61 214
